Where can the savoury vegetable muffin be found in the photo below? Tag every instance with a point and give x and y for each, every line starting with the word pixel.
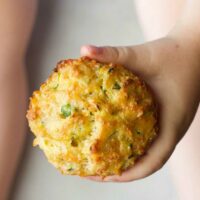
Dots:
pixel 92 118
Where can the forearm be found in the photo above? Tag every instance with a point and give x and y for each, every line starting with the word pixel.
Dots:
pixel 183 27
pixel 158 17
pixel 177 19
pixel 191 13
pixel 187 25
pixel 187 33
pixel 12 122
pixel 16 19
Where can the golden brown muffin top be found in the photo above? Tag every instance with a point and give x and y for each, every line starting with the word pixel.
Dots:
pixel 92 118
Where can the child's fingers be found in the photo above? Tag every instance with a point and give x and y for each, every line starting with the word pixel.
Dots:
pixel 158 153
pixel 139 60
pixel 94 178
pixel 106 54
pixel 135 58
pixel 156 156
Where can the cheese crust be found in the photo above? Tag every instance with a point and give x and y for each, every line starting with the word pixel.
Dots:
pixel 92 118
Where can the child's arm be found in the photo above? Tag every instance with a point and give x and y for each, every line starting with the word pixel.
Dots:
pixel 185 161
pixel 16 21
pixel 158 17
pixel 171 66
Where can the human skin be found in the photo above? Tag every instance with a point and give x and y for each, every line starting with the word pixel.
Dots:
pixel 162 74
pixel 185 161
pixel 16 19
pixel 171 67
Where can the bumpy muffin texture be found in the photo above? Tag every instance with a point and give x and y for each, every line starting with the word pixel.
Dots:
pixel 92 118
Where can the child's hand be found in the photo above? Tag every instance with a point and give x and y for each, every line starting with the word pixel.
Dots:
pixel 172 69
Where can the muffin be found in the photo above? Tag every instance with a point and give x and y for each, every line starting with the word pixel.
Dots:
pixel 92 118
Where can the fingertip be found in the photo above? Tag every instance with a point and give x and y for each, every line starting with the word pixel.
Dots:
pixel 94 178
pixel 118 178
pixel 85 50
pixel 114 178
pixel 90 51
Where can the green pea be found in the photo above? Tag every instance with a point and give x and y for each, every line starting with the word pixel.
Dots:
pixel 66 110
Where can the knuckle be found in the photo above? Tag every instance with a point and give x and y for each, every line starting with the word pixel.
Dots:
pixel 116 54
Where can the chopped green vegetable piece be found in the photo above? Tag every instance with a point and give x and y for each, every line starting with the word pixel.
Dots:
pixel 103 90
pixel 131 156
pixel 55 87
pixel 111 70
pixel 138 132
pixel 116 86
pixel 112 134
pixel 75 109
pixel 70 168
pixel 66 110
pixel 130 146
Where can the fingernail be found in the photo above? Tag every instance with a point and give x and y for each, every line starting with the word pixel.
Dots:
pixel 95 50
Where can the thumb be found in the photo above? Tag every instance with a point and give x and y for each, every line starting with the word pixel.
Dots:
pixel 106 54
pixel 136 58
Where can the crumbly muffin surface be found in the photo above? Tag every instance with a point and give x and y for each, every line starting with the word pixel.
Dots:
pixel 92 118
